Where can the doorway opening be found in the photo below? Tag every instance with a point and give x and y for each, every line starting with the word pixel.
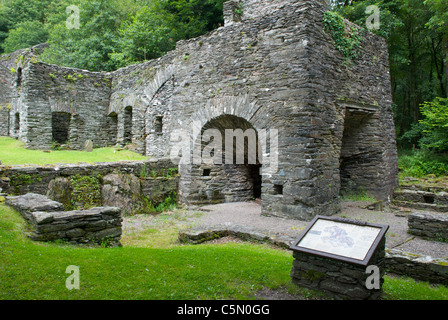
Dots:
pixel 60 124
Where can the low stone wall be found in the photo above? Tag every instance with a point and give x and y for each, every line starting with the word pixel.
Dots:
pixel 129 185
pixel 419 267
pixel 48 221
pixel 200 235
pixel 429 225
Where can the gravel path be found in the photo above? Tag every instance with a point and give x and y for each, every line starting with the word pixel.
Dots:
pixel 248 214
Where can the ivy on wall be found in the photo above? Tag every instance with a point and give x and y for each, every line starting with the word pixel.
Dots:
pixel 346 39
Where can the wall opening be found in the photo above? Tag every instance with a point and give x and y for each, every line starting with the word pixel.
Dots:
pixel 359 153
pixel 430 199
pixel 235 164
pixel 278 189
pixel 158 126
pixel 127 124
pixel 113 127
pixel 19 77
pixel 17 122
pixel 60 124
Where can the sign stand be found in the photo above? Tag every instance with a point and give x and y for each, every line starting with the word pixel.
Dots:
pixel 342 257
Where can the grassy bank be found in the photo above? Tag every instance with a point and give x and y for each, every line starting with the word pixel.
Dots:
pixel 13 152
pixel 31 270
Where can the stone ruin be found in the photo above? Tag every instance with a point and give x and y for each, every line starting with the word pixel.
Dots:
pixel 272 67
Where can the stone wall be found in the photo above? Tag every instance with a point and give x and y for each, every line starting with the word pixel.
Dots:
pixel 94 226
pixel 419 267
pixel 276 69
pixel 430 226
pixel 128 185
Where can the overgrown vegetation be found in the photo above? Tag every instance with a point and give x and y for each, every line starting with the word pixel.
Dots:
pixel 347 39
pixel 86 193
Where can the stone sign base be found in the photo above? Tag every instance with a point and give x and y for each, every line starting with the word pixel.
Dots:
pixel 340 279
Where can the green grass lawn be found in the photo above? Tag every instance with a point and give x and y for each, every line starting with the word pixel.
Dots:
pixel 13 152
pixel 32 270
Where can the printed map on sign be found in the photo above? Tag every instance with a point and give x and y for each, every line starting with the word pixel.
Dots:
pixel 342 239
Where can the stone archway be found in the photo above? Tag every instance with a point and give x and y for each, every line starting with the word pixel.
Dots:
pixel 60 123
pixel 230 162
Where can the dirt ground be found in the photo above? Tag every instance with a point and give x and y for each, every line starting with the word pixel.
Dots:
pixel 249 214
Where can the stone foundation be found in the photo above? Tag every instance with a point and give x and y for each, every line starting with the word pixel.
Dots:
pixel 429 225
pixel 99 226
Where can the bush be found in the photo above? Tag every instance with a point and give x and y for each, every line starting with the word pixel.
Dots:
pixel 420 163
pixel 435 124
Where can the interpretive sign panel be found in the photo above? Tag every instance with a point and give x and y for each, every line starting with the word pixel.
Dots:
pixel 341 239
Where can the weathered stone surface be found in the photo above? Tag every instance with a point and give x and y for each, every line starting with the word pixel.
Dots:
pixel 429 225
pixel 124 191
pixel 48 221
pixel 88 146
pixel 201 234
pixel 419 267
pixel 123 184
pixel 337 279
pixel 31 202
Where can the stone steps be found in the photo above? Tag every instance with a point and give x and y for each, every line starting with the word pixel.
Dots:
pixel 412 197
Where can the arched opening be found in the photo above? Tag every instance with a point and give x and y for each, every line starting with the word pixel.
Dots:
pixel 127 124
pixel 19 77
pixel 230 161
pixel 113 127
pixel 60 124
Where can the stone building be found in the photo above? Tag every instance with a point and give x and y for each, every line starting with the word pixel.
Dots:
pixel 272 68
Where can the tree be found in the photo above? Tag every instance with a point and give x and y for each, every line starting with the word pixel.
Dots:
pixel 147 35
pixel 25 35
pixel 89 46
pixel 435 124
pixel 193 18
pixel 439 24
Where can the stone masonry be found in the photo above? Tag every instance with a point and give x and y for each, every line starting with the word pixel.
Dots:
pixel 49 222
pixel 273 66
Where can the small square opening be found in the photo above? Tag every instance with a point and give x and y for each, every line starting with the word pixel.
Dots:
pixel 278 189
pixel 206 172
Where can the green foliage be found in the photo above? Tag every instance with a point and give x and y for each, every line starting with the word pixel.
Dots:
pixel 417 36
pixel 25 35
pixel 168 204
pixel 435 124
pixel 89 46
pixel 420 163
pixel 146 35
pixel 347 40
pixel 86 192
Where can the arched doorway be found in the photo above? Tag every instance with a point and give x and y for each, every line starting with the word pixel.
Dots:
pixel 230 165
